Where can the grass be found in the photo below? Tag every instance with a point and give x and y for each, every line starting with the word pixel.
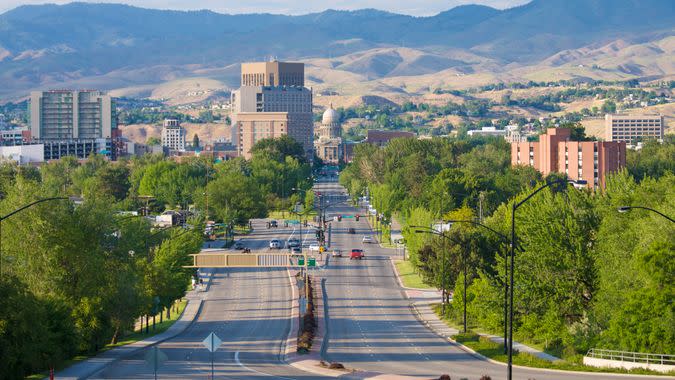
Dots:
pixel 495 351
pixel 133 337
pixel 409 277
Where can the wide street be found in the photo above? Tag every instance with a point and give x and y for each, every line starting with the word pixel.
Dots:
pixel 370 325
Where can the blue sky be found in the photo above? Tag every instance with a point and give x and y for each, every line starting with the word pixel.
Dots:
pixel 412 7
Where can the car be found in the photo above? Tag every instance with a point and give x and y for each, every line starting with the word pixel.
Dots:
pixel 367 239
pixel 274 224
pixel 293 242
pixel 351 231
pixel 296 251
pixel 356 254
pixel 239 245
pixel 314 247
pixel 336 253
pixel 275 244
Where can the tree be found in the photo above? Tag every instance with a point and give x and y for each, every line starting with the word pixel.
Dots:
pixel 195 141
pixel 153 141
pixel 278 148
pixel 236 198
pixel 608 106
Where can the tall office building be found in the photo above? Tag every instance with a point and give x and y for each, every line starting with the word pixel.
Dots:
pixel 579 160
pixel 633 128
pixel 173 135
pixel 272 101
pixel 76 123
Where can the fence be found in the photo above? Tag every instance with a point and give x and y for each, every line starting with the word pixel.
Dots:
pixel 597 357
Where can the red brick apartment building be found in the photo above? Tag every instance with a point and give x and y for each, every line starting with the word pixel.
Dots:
pixel 580 160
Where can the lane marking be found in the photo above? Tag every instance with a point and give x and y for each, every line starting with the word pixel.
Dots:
pixel 239 363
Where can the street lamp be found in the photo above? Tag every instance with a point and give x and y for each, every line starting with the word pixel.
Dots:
pixel 3 217
pixel 514 208
pixel 505 240
pixel 624 209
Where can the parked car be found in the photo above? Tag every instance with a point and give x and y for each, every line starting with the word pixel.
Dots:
pixel 293 242
pixel 356 254
pixel 239 245
pixel 367 239
pixel 275 244
pixel 351 231
pixel 336 253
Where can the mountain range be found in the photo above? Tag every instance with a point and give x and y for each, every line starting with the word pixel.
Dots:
pixel 112 46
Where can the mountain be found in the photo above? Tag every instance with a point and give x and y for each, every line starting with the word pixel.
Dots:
pixel 114 46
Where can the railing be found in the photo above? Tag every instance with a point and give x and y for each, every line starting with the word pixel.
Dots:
pixel 634 357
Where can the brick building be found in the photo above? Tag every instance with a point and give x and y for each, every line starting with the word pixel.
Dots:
pixel 579 160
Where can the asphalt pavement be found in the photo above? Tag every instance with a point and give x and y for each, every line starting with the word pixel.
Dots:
pixel 371 326
pixel 248 309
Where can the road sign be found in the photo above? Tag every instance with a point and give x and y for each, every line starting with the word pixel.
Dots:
pixel 212 342
pixel 154 358
pixel 301 261
pixel 311 262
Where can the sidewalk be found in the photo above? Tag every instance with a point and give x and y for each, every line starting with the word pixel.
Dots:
pixel 89 367
pixel 430 319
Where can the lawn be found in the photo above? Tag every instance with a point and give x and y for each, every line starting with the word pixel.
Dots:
pixel 126 339
pixel 409 277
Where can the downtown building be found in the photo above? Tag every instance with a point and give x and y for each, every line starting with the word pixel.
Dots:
pixel 579 160
pixel 173 135
pixel 328 145
pixel 271 102
pixel 73 123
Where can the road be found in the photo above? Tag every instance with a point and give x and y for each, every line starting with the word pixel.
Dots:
pixel 249 309
pixel 370 324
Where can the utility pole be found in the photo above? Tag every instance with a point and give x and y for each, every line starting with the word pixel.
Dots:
pixel 481 197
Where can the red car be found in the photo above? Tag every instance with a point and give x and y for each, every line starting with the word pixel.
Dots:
pixel 356 254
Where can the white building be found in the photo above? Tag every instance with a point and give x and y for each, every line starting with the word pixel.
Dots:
pixel 23 154
pixel 487 131
pixel 633 129
pixel 173 135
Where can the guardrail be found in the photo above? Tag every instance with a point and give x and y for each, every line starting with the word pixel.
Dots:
pixel 633 357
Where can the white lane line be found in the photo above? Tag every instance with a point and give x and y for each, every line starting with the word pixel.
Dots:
pixel 239 363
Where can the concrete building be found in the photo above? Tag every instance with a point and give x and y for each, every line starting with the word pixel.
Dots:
pixel 381 138
pixel 270 103
pixel 173 135
pixel 328 145
pixel 579 160
pixel 73 122
pixel 633 129
pixel 14 137
pixel 273 74
pixel 487 131
pixel 23 154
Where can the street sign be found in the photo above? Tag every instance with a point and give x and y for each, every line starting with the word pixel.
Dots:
pixel 311 262
pixel 154 358
pixel 212 342
pixel 301 261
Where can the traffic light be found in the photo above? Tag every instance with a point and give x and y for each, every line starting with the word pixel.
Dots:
pixel 339 218
pixel 357 218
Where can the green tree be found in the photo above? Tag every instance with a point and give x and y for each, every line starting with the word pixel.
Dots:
pixel 195 141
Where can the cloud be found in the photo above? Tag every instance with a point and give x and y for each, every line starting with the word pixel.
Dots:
pixel 414 7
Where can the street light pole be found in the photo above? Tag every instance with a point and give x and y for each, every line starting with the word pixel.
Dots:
pixel 624 209
pixel 514 208
pixel 2 218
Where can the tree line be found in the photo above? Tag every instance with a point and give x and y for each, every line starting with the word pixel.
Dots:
pixel 586 276
pixel 75 277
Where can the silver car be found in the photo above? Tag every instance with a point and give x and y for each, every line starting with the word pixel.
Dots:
pixel 367 239
pixel 275 244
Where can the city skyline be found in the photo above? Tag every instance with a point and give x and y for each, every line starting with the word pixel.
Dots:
pixel 291 7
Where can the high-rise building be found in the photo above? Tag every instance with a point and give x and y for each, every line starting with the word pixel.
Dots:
pixel 273 74
pixel 272 94
pixel 173 135
pixel 633 129
pixel 73 122
pixel 579 160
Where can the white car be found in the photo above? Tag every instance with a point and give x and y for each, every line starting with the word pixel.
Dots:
pixel 367 239
pixel 314 247
pixel 275 244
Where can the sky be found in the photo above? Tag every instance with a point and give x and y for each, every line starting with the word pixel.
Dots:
pixel 294 7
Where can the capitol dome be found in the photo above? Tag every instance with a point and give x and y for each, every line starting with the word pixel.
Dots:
pixel 330 116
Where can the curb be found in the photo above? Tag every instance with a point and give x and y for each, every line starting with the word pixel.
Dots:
pixel 124 355
pixel 400 282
